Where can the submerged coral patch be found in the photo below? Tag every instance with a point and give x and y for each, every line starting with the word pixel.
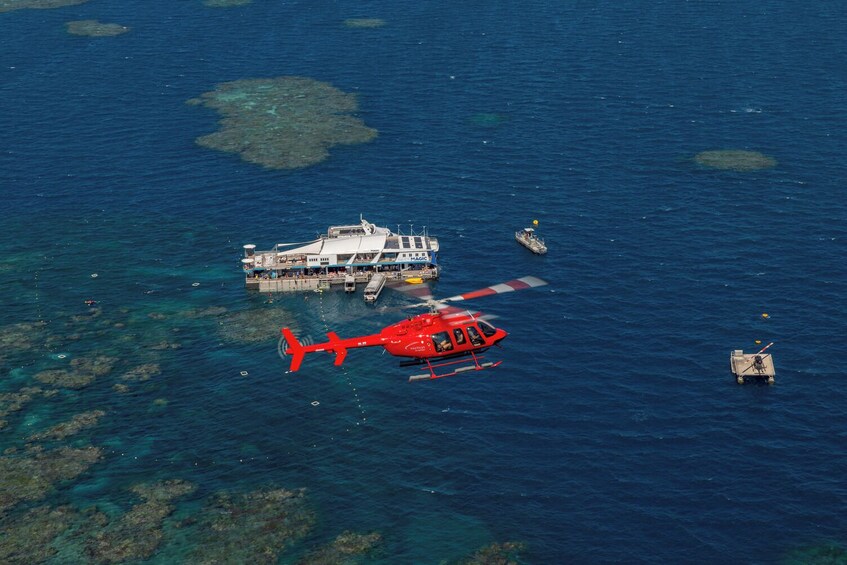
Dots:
pixel 137 533
pixel 64 379
pixel 347 549
pixel 28 539
pixel 735 160
pixel 823 554
pixel 83 372
pixel 506 553
pixel 94 28
pixel 11 402
pixel 225 3
pixel 250 528
pixel 9 5
pixel 283 123
pixel 253 326
pixel 23 336
pixel 73 426
pixel 488 120
pixel 31 474
pixel 364 22
pixel 142 373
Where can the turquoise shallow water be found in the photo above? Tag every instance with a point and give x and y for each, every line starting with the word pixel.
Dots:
pixel 612 431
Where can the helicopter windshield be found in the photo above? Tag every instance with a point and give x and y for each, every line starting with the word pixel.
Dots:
pixel 487 329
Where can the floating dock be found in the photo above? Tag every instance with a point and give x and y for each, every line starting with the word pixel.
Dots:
pixel 346 256
pixel 752 366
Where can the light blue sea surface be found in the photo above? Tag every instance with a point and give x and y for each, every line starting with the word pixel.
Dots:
pixel 613 431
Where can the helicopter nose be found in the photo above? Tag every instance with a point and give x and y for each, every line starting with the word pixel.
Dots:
pixel 500 335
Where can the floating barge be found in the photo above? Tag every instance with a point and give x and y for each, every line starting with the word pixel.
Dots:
pixel 345 256
pixel 752 365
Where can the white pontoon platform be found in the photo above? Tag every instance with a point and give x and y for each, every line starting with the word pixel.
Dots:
pixel 752 365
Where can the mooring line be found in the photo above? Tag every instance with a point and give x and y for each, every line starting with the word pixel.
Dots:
pixel 347 377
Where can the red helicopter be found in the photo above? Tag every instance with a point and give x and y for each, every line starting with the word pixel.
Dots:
pixel 441 338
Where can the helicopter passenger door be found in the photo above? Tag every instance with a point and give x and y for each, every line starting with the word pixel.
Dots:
pixel 459 336
pixel 474 336
pixel 442 342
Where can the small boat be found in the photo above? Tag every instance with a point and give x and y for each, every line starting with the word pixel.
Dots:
pixel 374 287
pixel 531 241
pixel 414 280
pixel 349 283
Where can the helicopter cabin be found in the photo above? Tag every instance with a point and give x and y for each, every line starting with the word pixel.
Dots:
pixel 752 366
pixel 359 251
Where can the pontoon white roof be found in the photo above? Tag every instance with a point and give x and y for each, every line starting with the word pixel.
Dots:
pixel 341 246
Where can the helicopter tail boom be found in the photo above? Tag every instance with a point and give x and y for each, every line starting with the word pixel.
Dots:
pixel 334 344
pixel 337 347
pixel 294 348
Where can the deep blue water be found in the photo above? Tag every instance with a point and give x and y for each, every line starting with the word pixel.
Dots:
pixel 613 430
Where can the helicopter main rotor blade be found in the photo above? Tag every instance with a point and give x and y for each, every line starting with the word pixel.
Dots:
pixel 510 286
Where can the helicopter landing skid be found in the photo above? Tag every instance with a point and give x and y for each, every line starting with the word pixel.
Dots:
pixel 476 366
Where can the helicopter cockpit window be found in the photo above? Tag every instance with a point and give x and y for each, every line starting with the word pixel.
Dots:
pixel 442 342
pixel 474 336
pixel 487 329
pixel 459 336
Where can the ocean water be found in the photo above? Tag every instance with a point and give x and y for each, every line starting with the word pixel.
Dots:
pixel 612 432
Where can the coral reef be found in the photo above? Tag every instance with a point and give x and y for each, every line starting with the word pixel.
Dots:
pixel 13 401
pixel 735 160
pixel 165 344
pixel 211 311
pixel 346 549
pixel 23 336
pixel 30 475
pixel 824 554
pixel 64 379
pixel 94 28
pixel 137 533
pixel 9 5
pixel 364 22
pixel 28 539
pixel 506 553
pixel 84 372
pixel 66 429
pixel 225 3
pixel 142 373
pixel 282 123
pixel 269 519
pixel 253 326
pixel 488 120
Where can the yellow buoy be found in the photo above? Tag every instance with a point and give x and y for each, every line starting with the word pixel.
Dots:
pixel 534 222
pixel 765 315
pixel 758 342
